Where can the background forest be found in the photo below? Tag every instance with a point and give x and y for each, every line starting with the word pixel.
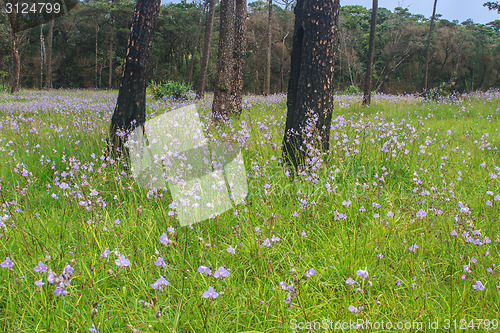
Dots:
pixel 89 45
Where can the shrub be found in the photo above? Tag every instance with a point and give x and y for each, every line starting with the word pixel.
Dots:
pixel 172 89
pixel 352 90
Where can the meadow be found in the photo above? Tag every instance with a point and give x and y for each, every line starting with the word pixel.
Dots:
pixel 399 223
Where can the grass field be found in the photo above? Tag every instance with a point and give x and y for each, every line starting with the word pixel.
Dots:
pixel 399 225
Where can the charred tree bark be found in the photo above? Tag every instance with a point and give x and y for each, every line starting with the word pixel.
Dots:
pixel 198 32
pixel 240 46
pixel 48 71
pixel 267 90
pixel 311 87
pixel 428 47
pixel 200 91
pixel 221 107
pixel 367 96
pixel 130 110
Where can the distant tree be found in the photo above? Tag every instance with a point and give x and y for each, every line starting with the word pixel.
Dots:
pixel 48 71
pixel 130 110
pixel 15 50
pixel 428 48
pixel 221 107
pixel 311 87
pixel 195 46
pixel 200 91
pixel 267 89
pixel 492 5
pixel 240 46
pixel 369 61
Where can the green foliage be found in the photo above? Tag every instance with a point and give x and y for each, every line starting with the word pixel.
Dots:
pixel 352 90
pixel 172 89
pixel 4 87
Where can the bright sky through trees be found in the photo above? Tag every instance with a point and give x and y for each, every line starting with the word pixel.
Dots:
pixel 460 10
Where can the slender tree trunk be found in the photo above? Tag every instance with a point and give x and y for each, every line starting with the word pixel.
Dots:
pixel 267 90
pixel 428 47
pixel 240 46
pixel 221 107
pixel 367 96
pixel 42 56
pixel 311 87
pixel 130 110
pixel 200 91
pixel 198 33
pixel 15 52
pixel 96 54
pixel 110 60
pixel 48 60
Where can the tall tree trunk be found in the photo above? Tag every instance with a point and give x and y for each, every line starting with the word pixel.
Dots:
pixel 200 91
pixel 367 96
pixel 96 55
pixel 428 47
pixel 221 107
pixel 15 51
pixel 42 56
pixel 198 32
pixel 311 87
pixel 130 110
pixel 240 46
pixel 48 60
pixel 267 90
pixel 110 60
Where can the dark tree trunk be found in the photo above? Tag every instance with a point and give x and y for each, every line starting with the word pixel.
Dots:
pixel 240 46
pixel 110 60
pixel 428 47
pixel 267 90
pixel 311 87
pixel 221 107
pixel 367 96
pixel 200 91
pixel 48 72
pixel 191 65
pixel 130 110
pixel 15 52
pixel 42 56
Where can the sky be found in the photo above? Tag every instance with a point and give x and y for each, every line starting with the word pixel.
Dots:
pixel 460 10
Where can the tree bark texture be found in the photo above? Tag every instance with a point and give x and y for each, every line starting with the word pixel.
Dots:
pixel 193 53
pixel 221 107
pixel 240 46
pixel 428 47
pixel 310 89
pixel 15 52
pixel 130 110
pixel 200 91
pixel 367 96
pixel 267 90
pixel 48 60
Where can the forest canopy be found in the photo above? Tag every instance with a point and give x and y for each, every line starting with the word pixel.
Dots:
pixel 89 46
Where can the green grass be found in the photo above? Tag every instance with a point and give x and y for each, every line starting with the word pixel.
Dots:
pixel 433 163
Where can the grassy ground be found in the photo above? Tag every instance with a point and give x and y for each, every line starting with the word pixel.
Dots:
pixel 399 225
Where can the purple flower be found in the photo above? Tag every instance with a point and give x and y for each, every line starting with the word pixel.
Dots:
pixel 221 272
pixel 466 269
pixel 380 255
pixel 267 242
pixel 350 281
pixel 310 272
pixel 478 286
pixel 68 270
pixel 50 277
pixel 283 285
pixel 390 214
pixel 105 254
pixel 288 299
pixel 204 269
pixel 160 262
pixel 41 267
pixel 413 248
pixel 93 329
pixel 164 239
pixel 210 293
pixel 160 283
pixel 59 291
pixel 39 283
pixel 122 261
pixel 7 263
pixel 453 233
pixel 421 213
pixel 171 230
pixel 303 233
pixel 353 309
pixel 362 273
pixel 230 249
